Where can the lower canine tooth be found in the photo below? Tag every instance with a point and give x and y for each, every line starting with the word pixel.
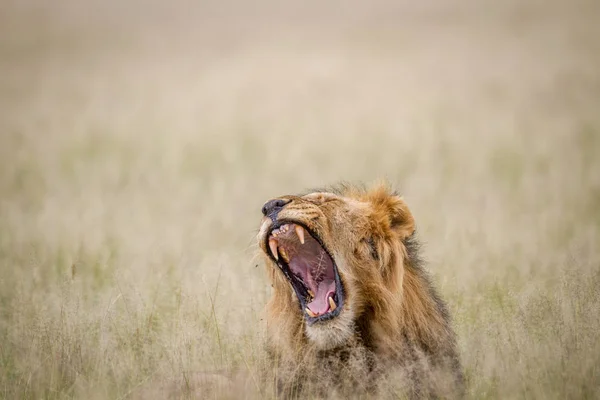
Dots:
pixel 300 233
pixel 273 247
pixel 309 312
pixel 284 254
pixel 332 305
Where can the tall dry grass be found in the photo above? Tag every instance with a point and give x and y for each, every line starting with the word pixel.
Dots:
pixel 138 142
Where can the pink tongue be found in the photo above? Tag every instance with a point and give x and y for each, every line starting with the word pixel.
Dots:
pixel 320 304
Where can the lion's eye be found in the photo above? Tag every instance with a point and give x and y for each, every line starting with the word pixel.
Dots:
pixel 372 247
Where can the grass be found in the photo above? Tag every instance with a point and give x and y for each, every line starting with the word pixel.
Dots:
pixel 138 143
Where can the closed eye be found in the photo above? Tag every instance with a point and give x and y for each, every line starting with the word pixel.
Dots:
pixel 372 248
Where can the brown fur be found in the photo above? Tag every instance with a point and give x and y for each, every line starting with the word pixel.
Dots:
pixel 392 323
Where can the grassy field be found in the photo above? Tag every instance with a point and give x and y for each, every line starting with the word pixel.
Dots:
pixel 138 142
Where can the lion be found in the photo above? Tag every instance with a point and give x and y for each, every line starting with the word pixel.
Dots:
pixel 352 305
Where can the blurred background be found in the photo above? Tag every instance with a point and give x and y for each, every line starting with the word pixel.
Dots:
pixel 139 140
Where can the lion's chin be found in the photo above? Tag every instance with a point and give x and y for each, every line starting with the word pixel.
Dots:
pixel 326 335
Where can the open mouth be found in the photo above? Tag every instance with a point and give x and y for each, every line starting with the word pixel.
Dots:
pixel 310 269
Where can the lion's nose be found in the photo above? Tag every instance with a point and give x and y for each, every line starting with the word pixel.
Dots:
pixel 272 207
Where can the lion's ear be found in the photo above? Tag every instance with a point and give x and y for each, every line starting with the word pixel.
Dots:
pixel 402 219
pixel 390 206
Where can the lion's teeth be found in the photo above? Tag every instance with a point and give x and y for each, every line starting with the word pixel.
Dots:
pixel 273 247
pixel 309 312
pixel 300 233
pixel 284 254
pixel 311 293
pixel 332 305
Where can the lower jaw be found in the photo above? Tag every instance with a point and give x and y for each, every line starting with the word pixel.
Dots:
pixel 334 310
pixel 330 315
pixel 330 334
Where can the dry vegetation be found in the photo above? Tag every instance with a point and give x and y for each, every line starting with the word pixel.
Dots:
pixel 138 142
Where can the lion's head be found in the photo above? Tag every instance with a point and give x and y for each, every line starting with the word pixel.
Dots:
pixel 335 256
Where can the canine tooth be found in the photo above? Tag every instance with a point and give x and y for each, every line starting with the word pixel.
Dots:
pixel 309 312
pixel 300 233
pixel 332 305
pixel 284 254
pixel 273 247
pixel 311 293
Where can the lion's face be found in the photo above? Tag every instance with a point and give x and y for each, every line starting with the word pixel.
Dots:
pixel 332 254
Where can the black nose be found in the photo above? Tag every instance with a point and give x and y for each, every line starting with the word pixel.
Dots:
pixel 272 207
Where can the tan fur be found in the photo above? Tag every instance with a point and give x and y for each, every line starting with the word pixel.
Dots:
pixel 392 322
